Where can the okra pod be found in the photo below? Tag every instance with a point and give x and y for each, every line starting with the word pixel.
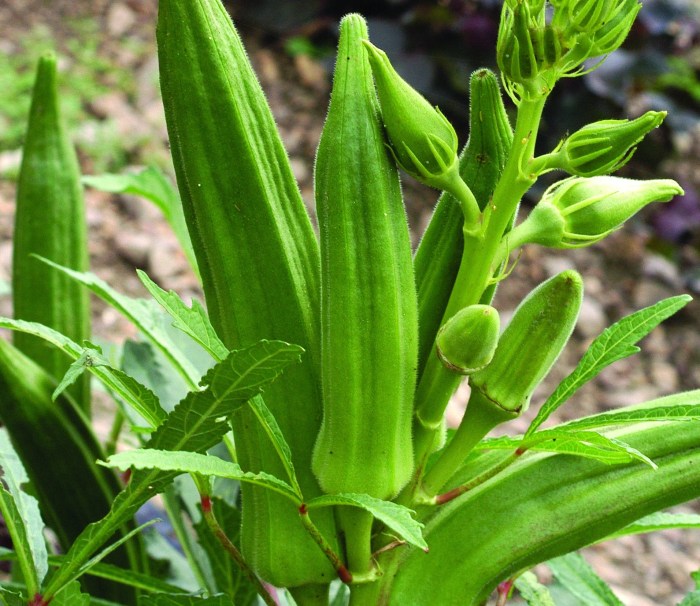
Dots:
pixel 368 298
pixel 50 222
pixel 258 257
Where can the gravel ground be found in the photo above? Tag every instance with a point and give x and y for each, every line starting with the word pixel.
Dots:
pixel 620 274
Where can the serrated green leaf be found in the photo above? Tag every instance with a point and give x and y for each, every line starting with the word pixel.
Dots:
pixel 532 591
pixel 273 431
pixel 196 424
pixel 559 439
pixel 9 598
pixel 71 595
pixel 151 184
pixel 659 521
pixel 585 444
pixel 201 464
pixel 683 406
pixel 15 477
pixel 184 600
pixel 578 577
pixel 134 395
pixel 614 343
pixel 143 313
pixel 193 321
pixel 397 517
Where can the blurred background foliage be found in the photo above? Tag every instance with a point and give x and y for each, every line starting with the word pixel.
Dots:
pixel 435 44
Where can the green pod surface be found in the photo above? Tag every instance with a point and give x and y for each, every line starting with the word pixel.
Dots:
pixel 439 254
pixel 542 507
pixel 531 343
pixel 258 258
pixel 368 299
pixel 59 452
pixel 50 222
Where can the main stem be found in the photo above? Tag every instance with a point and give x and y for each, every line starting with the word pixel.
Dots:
pixel 475 272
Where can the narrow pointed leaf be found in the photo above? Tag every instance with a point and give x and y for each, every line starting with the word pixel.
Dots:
pixel 274 433
pixel 144 314
pixel 193 321
pixel 396 517
pixel 153 185
pixel 614 343
pixel 196 424
pixel 565 441
pixel 574 573
pixel 201 464
pixel 659 521
pixel 684 406
pixel 15 477
pixel 138 397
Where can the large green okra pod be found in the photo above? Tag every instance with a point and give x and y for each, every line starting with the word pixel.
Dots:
pixel 439 254
pixel 50 221
pixel 368 299
pixel 258 257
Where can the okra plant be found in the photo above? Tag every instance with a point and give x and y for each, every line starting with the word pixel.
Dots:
pixel 294 427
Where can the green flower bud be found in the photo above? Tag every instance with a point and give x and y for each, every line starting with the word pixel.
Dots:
pixel 421 139
pixel 615 27
pixel 531 343
pixel 602 147
pixel 467 341
pixel 591 208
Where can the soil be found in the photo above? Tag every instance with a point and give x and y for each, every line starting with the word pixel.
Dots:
pixel 621 274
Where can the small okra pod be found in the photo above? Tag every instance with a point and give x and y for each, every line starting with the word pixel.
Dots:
pixel 531 343
pixel 467 341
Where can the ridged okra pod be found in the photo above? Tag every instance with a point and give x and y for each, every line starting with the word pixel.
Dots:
pixel 439 254
pixel 50 221
pixel 368 299
pixel 258 257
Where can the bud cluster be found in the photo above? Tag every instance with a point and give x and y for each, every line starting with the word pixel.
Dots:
pixel 534 51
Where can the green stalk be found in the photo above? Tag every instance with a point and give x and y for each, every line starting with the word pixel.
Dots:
pixel 476 270
pixel 480 417
pixel 234 553
pixel 184 538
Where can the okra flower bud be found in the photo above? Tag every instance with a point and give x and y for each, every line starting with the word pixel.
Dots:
pixel 602 147
pixel 590 209
pixel 531 343
pixel 421 139
pixel 467 341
